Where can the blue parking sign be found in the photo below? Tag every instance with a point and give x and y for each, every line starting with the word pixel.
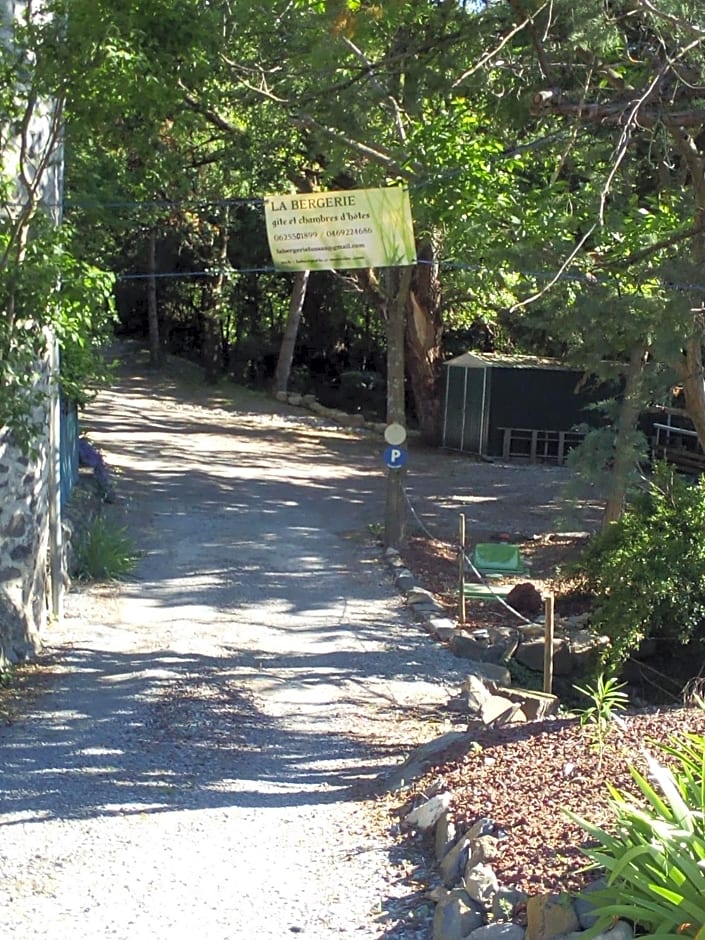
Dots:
pixel 395 457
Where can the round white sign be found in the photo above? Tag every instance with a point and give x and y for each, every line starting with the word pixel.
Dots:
pixel 395 434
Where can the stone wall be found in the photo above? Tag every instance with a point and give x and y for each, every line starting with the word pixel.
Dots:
pixel 24 537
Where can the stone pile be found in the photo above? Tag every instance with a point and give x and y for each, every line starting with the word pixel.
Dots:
pixel 472 905
pixel 470 902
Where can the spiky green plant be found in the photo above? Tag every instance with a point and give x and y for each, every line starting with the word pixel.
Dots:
pixel 607 698
pixel 654 855
pixel 103 552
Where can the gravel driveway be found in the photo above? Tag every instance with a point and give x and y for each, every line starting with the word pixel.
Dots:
pixel 200 763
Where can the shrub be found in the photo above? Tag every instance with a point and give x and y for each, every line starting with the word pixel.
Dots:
pixel 654 858
pixel 647 569
pixel 103 552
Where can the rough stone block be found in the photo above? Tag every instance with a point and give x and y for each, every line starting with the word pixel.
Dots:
pixel 498 710
pixel 443 628
pixel 530 654
pixel 481 884
pixel 444 836
pixel 585 907
pixel 491 671
pixel 426 816
pixel 456 915
pixel 534 705
pixel 549 916
pixel 455 860
pixel 497 932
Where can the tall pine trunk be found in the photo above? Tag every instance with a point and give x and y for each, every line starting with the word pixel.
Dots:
pixel 424 329
pixel 286 350
pixel 155 346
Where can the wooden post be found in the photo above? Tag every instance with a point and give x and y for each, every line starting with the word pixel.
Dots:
pixel 461 567
pixel 398 282
pixel 548 645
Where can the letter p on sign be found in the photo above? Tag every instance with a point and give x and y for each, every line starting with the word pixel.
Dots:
pixel 395 457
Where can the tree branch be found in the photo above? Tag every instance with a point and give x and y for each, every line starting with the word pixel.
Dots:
pixel 644 253
pixel 380 155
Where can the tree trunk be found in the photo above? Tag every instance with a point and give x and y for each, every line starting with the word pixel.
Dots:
pixel 212 353
pixel 690 369
pixel 690 365
pixel 286 350
pixel 626 423
pixel 397 292
pixel 424 328
pixel 155 346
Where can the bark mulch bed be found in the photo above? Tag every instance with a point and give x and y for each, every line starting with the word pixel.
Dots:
pixel 524 777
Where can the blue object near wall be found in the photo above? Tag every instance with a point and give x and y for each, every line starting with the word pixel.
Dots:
pixel 68 448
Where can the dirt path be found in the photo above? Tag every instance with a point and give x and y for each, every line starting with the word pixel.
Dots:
pixel 201 761
pixel 199 764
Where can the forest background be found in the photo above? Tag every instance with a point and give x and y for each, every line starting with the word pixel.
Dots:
pixel 553 153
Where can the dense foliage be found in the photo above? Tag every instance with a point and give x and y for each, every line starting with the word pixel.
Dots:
pixel 647 569
pixel 553 156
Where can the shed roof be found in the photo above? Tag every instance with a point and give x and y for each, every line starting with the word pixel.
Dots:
pixel 470 360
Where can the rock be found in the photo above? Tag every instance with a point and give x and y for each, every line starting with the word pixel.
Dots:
pixel 484 702
pixel 525 599
pixel 443 628
pixel 622 930
pixel 444 836
pixel 477 694
pixel 530 654
pixel 418 762
pixel 281 396
pixel 419 595
pixel 497 673
pixel 428 814
pixel 493 645
pixel 481 884
pixel 497 932
pixel 456 916
pixel 455 861
pixel 482 850
pixel 585 907
pixel 534 705
pixel 506 902
pixel 404 579
pixel 549 916
pixel 584 648
pixel 424 612
pixel 531 631
pixel 355 420
pixel 498 710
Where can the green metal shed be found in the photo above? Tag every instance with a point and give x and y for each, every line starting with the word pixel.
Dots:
pixel 515 406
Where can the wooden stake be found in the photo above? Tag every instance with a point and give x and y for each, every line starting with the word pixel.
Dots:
pixel 548 644
pixel 461 568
